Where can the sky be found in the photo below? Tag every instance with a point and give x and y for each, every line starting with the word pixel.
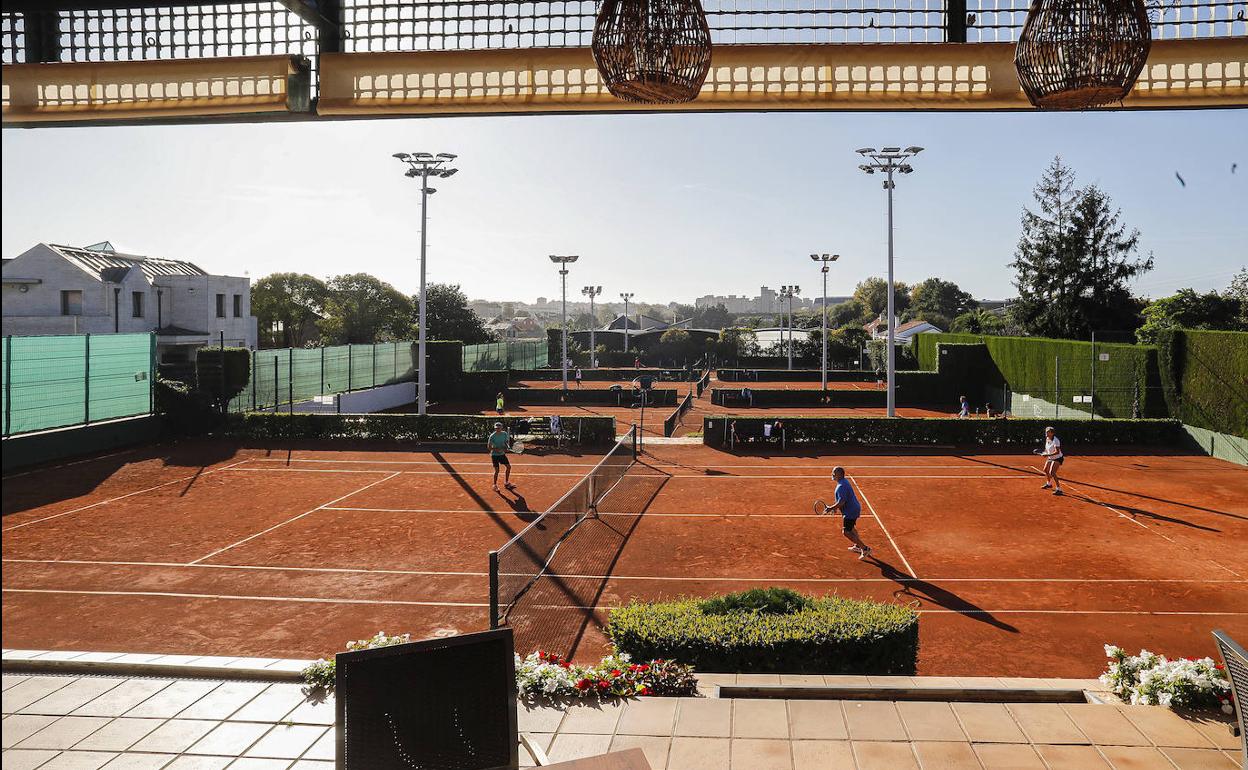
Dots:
pixel 668 206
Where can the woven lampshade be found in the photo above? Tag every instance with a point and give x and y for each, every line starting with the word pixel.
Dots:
pixel 652 51
pixel 1076 54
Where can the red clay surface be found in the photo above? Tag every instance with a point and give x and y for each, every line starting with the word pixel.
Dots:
pixel 684 386
pixel 210 548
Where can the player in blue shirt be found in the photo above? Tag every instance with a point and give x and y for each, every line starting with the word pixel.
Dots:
pixel 849 508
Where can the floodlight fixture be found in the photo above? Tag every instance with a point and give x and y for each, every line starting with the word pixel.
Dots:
pixel 866 151
pixel 447 156
pixel 401 155
pixel 912 150
pixel 826 259
pixel 892 150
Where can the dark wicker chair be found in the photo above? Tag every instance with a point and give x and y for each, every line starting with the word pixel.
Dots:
pixel 1235 660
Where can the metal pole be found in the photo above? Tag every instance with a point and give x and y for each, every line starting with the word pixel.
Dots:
pixel 290 379
pixel 374 364
pixel 563 275
pixel 593 345
pixel 86 380
pixel 1092 406
pixel 277 393
pixel 625 325
pixel 255 375
pixel 8 384
pixel 421 380
pixel 825 327
pixel 1057 387
pixel 350 373
pixel 151 373
pixel 322 390
pixel 225 402
pixel 892 394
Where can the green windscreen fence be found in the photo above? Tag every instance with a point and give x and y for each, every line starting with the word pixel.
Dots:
pixel 494 356
pixel 289 375
pixel 56 382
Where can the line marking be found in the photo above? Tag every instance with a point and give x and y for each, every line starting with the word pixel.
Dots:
pixel 700 476
pixel 600 513
pixel 295 518
pixel 122 497
pixel 97 458
pixel 665 578
pixel 773 466
pixel 909 569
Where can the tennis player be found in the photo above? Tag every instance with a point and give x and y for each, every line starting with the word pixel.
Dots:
pixel 498 403
pixel 964 410
pixel 578 376
pixel 1053 459
pixel 498 443
pixel 849 508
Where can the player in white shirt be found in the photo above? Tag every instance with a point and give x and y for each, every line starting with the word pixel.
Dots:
pixel 1053 458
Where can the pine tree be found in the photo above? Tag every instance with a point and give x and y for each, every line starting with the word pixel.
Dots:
pixel 1074 261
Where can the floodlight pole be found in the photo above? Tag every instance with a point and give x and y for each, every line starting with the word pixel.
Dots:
pixel 422 165
pixel 889 160
pixel 591 292
pixel 626 296
pixel 563 263
pixel 825 259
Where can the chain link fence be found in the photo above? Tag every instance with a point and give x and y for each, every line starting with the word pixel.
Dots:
pixel 497 356
pixel 1100 385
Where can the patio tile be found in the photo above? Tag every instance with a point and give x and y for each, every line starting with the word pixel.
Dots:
pixel 272 705
pixel 1135 758
pixel 845 680
pixel 873 721
pixel 139 761
pixel 79 760
pixel 25 759
pixel 1072 757
pixel 822 755
pixel 8 680
pixel 988 723
pixel 598 719
pixel 930 721
pixel 980 682
pixel 801 680
pixel 648 716
pixel 1218 731
pixel 699 754
pixel 256 763
pixel 708 682
pixel 757 679
pixel 320 711
pixel 760 754
pixel 287 741
pixel 760 719
pixel 198 763
pixel 879 755
pixel 223 701
pixel 121 698
pixel 1164 727
pixel 325 746
pixel 19 727
pixel 946 755
pixel 32 689
pixel 1008 756
pixel 654 747
pixel 229 739
pixel 821 719
pixel 704 718
pixel 72 696
pixel 1104 725
pixel 1046 723
pixel 538 718
pixel 119 734
pixel 1025 683
pixel 936 681
pixel 63 733
pixel 173 699
pixel 175 736
pixel 526 759
pixel 1199 759
pixel 568 746
pixel 309 764
pixel 891 681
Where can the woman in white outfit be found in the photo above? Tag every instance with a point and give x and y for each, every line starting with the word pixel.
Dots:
pixel 1053 458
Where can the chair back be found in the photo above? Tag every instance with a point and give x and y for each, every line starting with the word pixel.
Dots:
pixel 1235 661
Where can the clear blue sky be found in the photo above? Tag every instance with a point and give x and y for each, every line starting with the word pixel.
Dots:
pixel 667 206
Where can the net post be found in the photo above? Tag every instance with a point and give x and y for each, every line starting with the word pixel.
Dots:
pixel 290 379
pixel 494 589
pixel 86 379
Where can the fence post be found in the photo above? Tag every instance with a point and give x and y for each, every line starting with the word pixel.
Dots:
pixel 225 402
pixel 350 373
pixel 255 375
pixel 1092 406
pixel 8 384
pixel 86 379
pixel 374 359
pixel 322 390
pixel 1057 387
pixel 290 378
pixel 276 386
pixel 151 373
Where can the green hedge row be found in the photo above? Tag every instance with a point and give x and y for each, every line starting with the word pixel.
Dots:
pixel 1027 433
pixel 606 374
pixel 1059 370
pixel 589 396
pixel 830 636
pixel 262 426
pixel 770 398
pixel 1204 376
pixel 794 375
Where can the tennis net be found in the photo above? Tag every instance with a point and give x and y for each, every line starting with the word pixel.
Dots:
pixel 517 565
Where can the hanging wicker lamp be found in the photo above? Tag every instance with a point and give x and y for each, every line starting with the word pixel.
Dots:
pixel 1076 54
pixel 652 51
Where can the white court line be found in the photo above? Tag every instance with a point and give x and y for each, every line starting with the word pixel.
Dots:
pixel 904 561
pixel 701 476
pixel 411 603
pixel 600 513
pixel 121 497
pixel 664 578
pixel 97 458
pixel 295 518
pixel 965 466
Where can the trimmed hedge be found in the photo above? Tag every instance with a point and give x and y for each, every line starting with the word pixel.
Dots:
pixel 795 375
pixel 1204 376
pixel 263 426
pixel 1027 432
pixel 208 372
pixel 606 374
pixel 590 396
pixel 770 398
pixel 829 635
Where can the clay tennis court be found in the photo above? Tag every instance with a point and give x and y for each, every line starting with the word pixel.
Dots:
pixel 683 387
pixel 208 548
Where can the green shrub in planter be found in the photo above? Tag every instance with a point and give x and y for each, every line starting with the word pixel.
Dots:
pixel 738 633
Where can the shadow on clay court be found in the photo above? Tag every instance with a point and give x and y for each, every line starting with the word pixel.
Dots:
pixel 555 614
pixel 519 506
pixel 481 501
pixel 921 591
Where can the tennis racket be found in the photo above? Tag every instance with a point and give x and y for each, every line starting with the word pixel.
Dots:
pixel 518 447
pixel 1037 451
pixel 823 509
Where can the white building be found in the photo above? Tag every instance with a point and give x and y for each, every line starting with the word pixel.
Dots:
pixel 902 333
pixel 52 289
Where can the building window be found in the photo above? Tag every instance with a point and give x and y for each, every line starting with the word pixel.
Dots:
pixel 136 303
pixel 238 305
pixel 220 306
pixel 71 303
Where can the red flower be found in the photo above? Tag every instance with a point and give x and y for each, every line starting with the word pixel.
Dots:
pixel 616 672
pixel 584 684
pixel 565 664
pixel 643 667
pixel 646 691
pixel 603 684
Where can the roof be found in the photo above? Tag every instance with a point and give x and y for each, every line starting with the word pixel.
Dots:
pixel 178 331
pixel 914 325
pixel 106 263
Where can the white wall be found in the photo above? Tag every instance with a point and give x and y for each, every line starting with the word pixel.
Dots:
pixel 377 399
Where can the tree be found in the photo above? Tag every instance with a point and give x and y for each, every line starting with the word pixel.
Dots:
pixel 448 315
pixel 716 317
pixel 362 309
pixel 872 295
pixel 978 321
pixel 1188 310
pixel 1239 291
pixel 287 307
pixel 938 302
pixel 737 341
pixel 848 313
pixel 1074 260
